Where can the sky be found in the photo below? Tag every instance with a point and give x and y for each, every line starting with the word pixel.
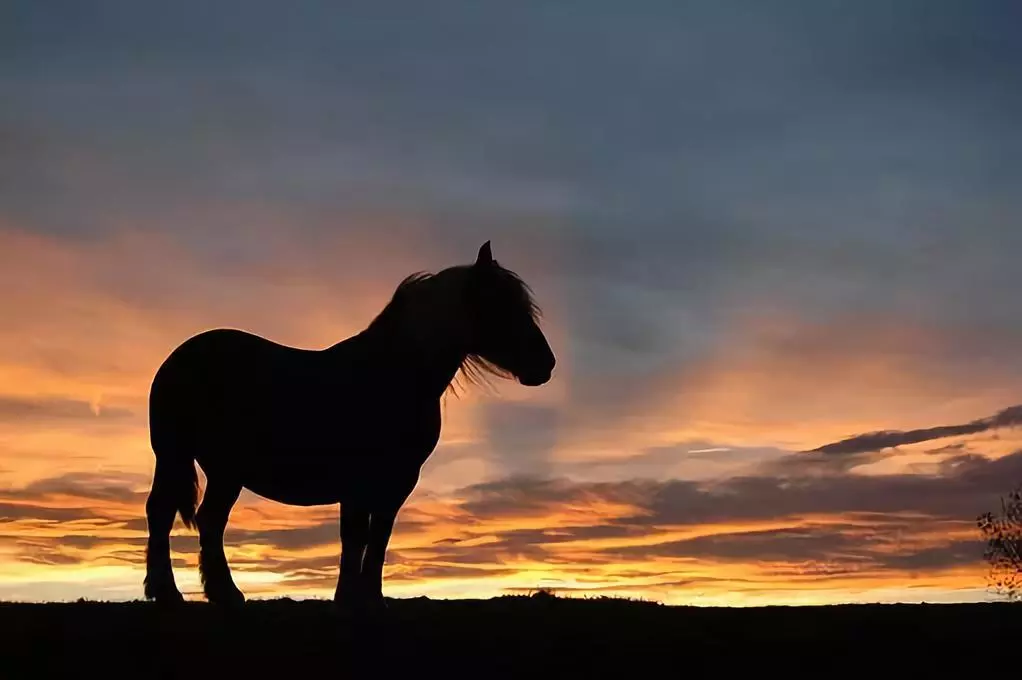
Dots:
pixel 758 230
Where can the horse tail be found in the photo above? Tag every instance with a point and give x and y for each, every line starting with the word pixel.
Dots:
pixel 175 489
pixel 176 482
pixel 186 490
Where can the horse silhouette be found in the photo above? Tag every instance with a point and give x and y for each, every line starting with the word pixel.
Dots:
pixel 350 424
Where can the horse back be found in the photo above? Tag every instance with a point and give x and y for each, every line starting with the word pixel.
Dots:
pixel 228 387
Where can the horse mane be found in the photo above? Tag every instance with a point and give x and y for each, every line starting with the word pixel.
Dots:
pixel 474 368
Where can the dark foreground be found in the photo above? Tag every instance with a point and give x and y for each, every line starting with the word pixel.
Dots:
pixel 518 637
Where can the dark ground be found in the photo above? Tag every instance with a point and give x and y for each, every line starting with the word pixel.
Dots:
pixel 519 637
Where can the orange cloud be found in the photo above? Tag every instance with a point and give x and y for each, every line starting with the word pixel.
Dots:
pixel 675 542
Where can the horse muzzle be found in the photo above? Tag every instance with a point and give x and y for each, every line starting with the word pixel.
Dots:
pixel 535 378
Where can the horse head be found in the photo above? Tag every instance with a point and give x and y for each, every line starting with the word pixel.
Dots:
pixel 503 322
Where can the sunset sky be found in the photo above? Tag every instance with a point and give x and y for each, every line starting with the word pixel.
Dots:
pixel 755 229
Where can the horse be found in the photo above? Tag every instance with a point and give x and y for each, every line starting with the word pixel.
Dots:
pixel 350 424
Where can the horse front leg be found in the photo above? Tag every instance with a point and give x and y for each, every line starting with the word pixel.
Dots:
pixel 354 536
pixel 381 526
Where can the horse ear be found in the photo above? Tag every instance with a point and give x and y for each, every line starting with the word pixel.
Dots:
pixel 485 256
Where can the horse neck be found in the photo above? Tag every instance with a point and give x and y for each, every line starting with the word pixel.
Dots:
pixel 423 359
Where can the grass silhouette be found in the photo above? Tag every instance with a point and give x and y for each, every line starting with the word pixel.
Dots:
pixel 529 635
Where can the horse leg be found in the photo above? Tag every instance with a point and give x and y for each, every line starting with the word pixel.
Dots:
pixel 160 509
pixel 354 535
pixel 381 525
pixel 211 520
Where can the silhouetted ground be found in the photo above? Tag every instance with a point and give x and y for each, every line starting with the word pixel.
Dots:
pixel 522 637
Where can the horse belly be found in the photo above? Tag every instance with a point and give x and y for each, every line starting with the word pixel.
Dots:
pixel 305 452
pixel 296 480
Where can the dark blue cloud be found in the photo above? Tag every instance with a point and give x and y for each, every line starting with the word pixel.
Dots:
pixel 680 162
pixel 522 436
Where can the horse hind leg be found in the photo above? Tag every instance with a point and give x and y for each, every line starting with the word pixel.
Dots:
pixel 166 499
pixel 211 521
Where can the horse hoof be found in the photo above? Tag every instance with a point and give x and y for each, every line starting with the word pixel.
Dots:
pixel 344 608
pixel 231 599
pixel 358 608
pixel 376 607
pixel 165 597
